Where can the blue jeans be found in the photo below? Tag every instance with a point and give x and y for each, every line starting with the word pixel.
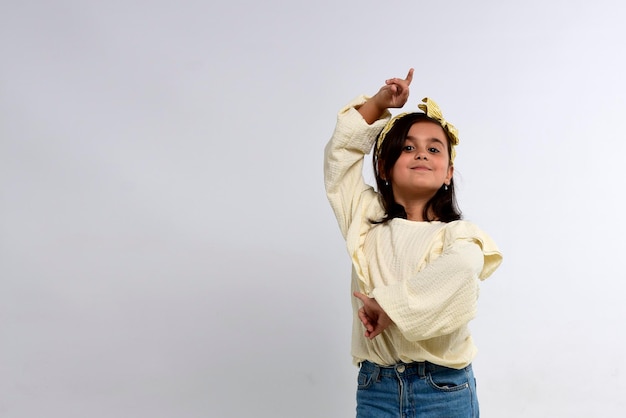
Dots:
pixel 416 390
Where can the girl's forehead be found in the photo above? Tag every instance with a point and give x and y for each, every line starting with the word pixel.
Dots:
pixel 426 128
pixel 426 124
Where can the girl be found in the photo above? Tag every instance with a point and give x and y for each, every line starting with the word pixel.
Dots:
pixel 416 265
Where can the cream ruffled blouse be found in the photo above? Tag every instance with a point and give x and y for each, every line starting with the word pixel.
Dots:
pixel 425 275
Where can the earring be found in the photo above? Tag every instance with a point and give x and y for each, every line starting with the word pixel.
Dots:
pixel 445 187
pixel 386 183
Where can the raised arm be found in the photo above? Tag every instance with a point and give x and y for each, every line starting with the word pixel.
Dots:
pixel 358 125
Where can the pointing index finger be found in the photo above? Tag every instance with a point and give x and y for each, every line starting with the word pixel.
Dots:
pixel 409 76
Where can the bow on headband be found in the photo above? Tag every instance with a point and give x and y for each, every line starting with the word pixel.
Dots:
pixel 432 110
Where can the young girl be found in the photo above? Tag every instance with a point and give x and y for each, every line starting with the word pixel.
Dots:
pixel 416 265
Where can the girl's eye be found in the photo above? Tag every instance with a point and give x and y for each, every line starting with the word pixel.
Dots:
pixel 408 148
pixel 433 150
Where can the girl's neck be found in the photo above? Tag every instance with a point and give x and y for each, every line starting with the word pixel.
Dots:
pixel 414 209
pixel 414 204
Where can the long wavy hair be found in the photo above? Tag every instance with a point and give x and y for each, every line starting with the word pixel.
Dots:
pixel 441 207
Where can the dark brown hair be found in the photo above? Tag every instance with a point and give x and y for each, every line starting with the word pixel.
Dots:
pixel 442 205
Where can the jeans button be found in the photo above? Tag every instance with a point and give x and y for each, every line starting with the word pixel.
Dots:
pixel 401 368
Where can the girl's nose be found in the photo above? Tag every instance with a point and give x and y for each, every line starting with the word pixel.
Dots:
pixel 420 155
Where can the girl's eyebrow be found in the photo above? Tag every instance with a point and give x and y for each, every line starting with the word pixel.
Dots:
pixel 433 139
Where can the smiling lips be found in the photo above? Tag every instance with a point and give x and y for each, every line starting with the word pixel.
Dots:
pixel 420 168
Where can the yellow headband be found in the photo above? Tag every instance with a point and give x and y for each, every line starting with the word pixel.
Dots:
pixel 432 110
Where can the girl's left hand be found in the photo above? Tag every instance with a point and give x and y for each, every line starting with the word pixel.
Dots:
pixel 372 316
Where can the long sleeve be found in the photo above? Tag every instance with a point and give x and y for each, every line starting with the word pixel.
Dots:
pixel 352 139
pixel 440 298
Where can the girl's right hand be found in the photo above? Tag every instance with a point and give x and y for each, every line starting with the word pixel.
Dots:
pixel 395 92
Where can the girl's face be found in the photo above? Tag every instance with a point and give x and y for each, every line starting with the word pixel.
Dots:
pixel 424 164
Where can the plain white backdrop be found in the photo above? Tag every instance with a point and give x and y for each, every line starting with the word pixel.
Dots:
pixel 166 247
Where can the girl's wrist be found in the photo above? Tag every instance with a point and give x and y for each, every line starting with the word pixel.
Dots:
pixel 371 110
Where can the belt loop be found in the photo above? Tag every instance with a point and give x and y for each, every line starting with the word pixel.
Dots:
pixel 376 373
pixel 421 369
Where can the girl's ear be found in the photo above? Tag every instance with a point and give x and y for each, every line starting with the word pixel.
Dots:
pixel 450 173
pixel 381 169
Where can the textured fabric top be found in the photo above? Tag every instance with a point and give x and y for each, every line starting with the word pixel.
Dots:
pixel 425 275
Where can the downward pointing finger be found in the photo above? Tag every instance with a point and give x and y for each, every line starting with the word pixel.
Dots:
pixel 365 320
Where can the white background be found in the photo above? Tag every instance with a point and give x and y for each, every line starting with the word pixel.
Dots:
pixel 167 249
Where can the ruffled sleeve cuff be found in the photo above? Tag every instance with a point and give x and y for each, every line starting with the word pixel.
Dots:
pixel 354 131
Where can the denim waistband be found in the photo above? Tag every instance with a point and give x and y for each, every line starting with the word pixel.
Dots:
pixel 420 368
